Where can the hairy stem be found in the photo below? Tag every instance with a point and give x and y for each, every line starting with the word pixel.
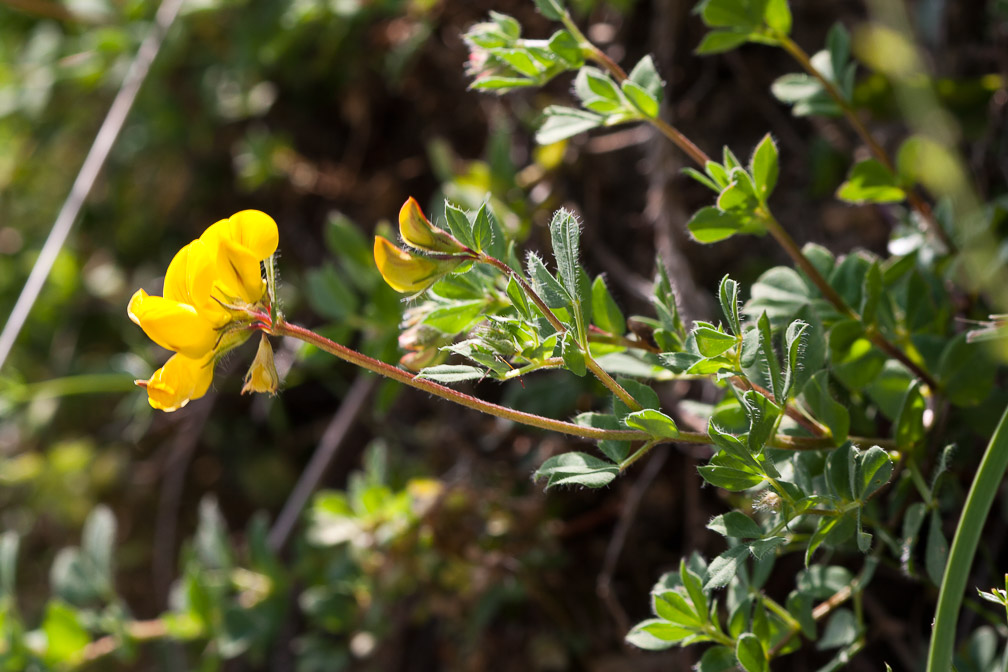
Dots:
pixel 283 328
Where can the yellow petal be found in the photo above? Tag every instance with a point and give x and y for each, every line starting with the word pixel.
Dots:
pixel 180 380
pixel 256 231
pixel 235 271
pixel 239 273
pixel 417 231
pixel 405 272
pixel 172 325
pixel 176 283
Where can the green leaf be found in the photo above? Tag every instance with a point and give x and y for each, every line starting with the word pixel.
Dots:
pixel 793 346
pixel 605 313
pixel 563 44
pixel 328 294
pixel 871 293
pixel 770 357
pixel 642 394
pixel 645 75
pixel 520 60
pixel 518 299
pixel 840 467
pixel 565 234
pixel 65 634
pixel 718 41
pixel 728 296
pixel 640 98
pixel 965 372
pixel 936 550
pixel 732 475
pixel 451 373
pixel 616 451
pixel 870 182
pixel 694 588
pixel 655 634
pixel 655 423
pixel 762 414
pixel 725 567
pixel 799 605
pixel 501 84
pixel 549 289
pixel 874 467
pixel 750 653
pixel 763 165
pixel 912 522
pixel 711 342
pixel 840 630
pixel 565 122
pixel 777 15
pixel 701 178
pixel 459 224
pixel 507 24
pixel 553 10
pixel 855 360
pixel 735 524
pixel 717 659
pixel 824 528
pixel 592 83
pixel 576 469
pixel 908 428
pixel 482 230
pixel 780 293
pixel 737 14
pixel 838 47
pixel 710 225
pixel 573 356
pixel 673 607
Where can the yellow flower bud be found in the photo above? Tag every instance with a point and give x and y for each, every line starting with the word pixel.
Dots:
pixel 409 273
pixel 262 375
pixel 417 231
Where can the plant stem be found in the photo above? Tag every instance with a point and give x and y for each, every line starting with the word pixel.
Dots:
pixel 915 200
pixel 988 477
pixel 637 454
pixel 681 141
pixel 283 328
pixel 613 386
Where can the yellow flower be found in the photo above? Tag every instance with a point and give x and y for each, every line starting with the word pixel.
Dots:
pixel 207 284
pixel 178 381
pixel 262 375
pixel 417 231
pixel 409 273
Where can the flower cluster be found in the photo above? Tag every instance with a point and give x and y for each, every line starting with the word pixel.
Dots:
pixel 412 273
pixel 209 288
